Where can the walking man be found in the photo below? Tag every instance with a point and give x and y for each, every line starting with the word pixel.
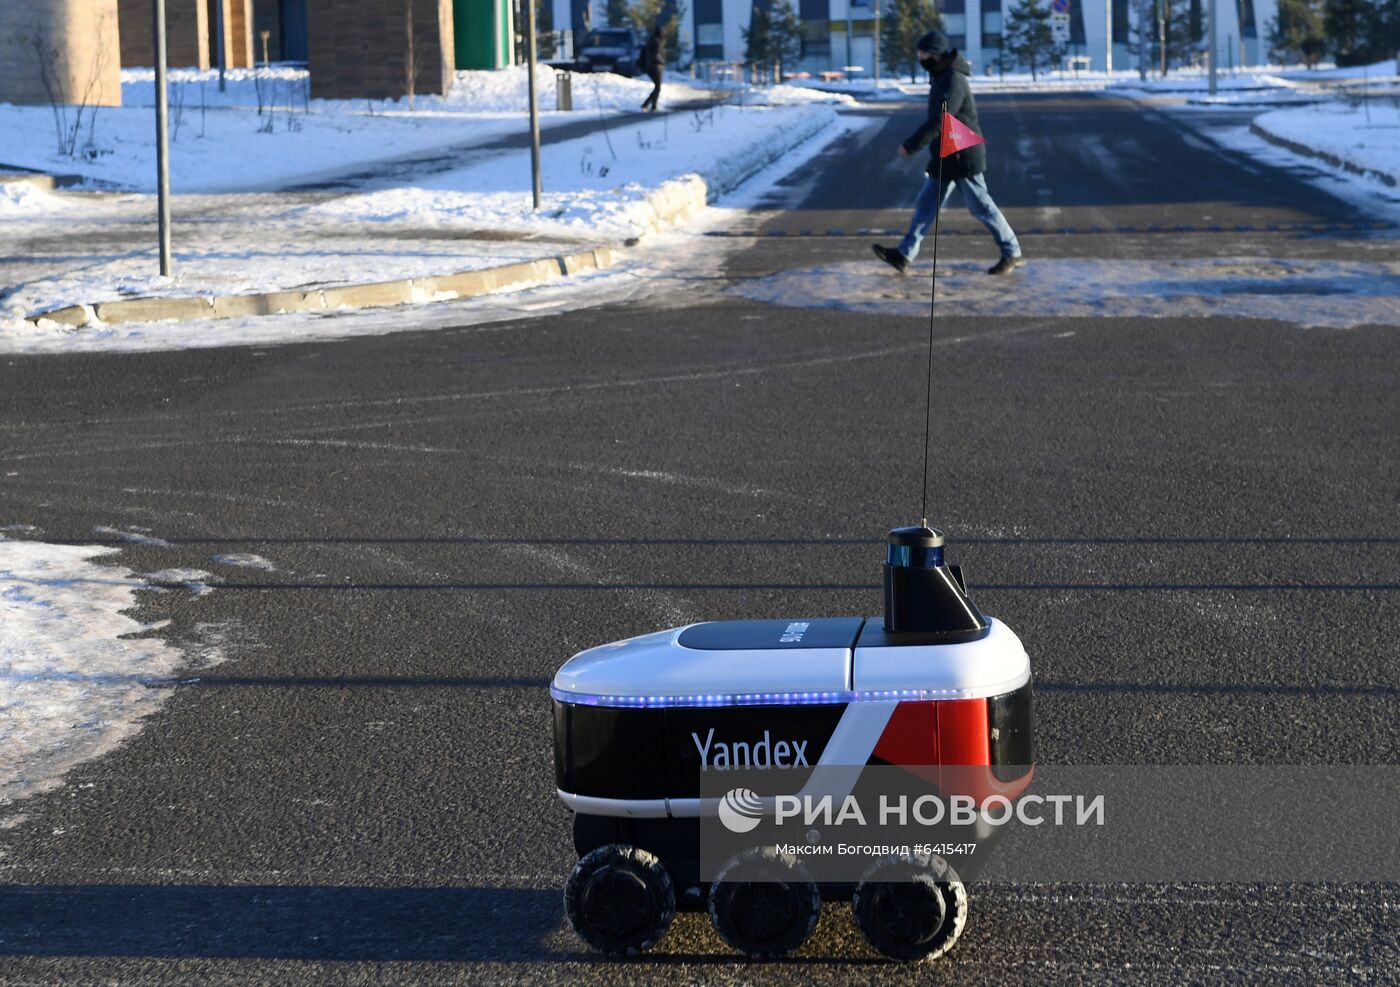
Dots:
pixel 653 63
pixel 948 83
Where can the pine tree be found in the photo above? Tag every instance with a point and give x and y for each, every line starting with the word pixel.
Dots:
pixel 1296 33
pixel 785 34
pixel 758 38
pixel 1344 22
pixel 1186 33
pixel 1383 30
pixel 1026 34
pixel 903 23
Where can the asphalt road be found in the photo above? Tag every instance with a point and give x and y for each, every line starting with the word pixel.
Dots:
pixel 1190 522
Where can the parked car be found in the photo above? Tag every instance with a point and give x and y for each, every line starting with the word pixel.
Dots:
pixel 610 49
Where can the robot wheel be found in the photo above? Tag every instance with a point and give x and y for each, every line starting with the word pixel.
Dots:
pixel 620 899
pixel 764 903
pixel 910 907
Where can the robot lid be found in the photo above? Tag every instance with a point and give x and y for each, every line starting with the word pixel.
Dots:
pixel 791 662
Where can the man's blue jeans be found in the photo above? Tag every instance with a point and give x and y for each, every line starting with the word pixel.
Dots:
pixel 979 203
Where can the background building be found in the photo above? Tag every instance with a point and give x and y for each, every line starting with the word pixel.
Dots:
pixel 191 36
pixel 713 30
pixel 60 50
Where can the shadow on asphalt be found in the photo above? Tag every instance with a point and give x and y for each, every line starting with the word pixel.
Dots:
pixel 816 542
pixel 484 682
pixel 501 925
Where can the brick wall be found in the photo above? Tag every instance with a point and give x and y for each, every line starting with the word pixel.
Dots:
pixel 186 33
pixel 358 48
pixel 238 33
pixel 77 40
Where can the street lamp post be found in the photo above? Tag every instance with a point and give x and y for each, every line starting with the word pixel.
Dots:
pixel 534 101
pixel 1210 48
pixel 1142 21
pixel 877 41
pixel 1108 37
pixel 162 143
pixel 219 39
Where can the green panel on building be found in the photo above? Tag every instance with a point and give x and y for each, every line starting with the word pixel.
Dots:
pixel 482 32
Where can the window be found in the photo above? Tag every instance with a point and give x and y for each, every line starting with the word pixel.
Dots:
pixel 709 42
pixel 955 24
pixel 991 23
pixel 607 39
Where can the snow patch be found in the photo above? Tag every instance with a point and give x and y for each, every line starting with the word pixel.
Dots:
pixel 1336 294
pixel 24 199
pixel 245 560
pixel 136 536
pixel 603 185
pixel 1365 137
pixel 195 580
pixel 73 683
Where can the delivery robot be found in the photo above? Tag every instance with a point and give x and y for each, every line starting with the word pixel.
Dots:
pixel 936 687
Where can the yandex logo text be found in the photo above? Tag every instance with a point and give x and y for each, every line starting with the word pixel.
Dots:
pixel 724 755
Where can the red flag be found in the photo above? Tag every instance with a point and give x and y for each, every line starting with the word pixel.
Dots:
pixel 956 136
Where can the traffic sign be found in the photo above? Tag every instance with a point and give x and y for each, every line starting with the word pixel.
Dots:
pixel 1059 28
pixel 1059 6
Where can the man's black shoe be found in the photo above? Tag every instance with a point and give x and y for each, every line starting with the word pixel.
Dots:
pixel 891 257
pixel 1006 265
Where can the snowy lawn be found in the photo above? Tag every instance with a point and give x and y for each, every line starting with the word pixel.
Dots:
pixel 1365 135
pixel 601 185
pixel 618 183
pixel 74 680
pixel 264 133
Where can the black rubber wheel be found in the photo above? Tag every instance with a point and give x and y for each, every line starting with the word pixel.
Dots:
pixel 910 907
pixel 764 903
pixel 620 899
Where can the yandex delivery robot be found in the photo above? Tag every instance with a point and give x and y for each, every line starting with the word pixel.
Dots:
pixel 935 688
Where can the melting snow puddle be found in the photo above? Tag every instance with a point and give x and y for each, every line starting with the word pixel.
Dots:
pixel 1332 294
pixel 73 683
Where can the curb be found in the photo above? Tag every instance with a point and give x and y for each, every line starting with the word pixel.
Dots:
pixel 39 179
pixel 1312 152
pixel 377 294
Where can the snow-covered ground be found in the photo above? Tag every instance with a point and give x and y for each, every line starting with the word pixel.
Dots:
pixel 474 216
pixel 1305 293
pixel 601 188
pixel 263 132
pixel 1264 86
pixel 599 185
pixel 75 671
pixel 435 191
pixel 1364 136
pixel 234 148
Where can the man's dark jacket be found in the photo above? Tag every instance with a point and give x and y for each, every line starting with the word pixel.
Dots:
pixel 654 56
pixel 951 86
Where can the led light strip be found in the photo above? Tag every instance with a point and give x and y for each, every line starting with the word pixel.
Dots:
pixel 757 698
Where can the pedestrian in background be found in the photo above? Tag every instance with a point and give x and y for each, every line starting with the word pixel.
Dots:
pixel 949 75
pixel 653 63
